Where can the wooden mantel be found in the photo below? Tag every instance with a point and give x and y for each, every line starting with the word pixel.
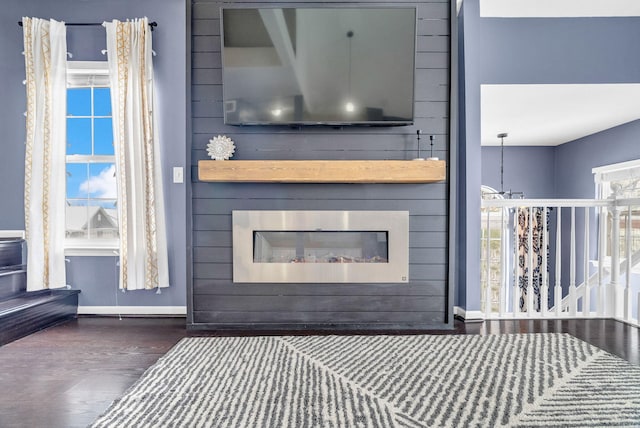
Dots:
pixel 322 171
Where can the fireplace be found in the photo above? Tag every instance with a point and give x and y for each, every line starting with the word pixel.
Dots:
pixel 320 246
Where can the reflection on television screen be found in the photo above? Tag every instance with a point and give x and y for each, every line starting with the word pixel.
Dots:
pixel 319 66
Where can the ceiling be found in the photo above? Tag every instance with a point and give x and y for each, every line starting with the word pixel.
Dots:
pixel 549 115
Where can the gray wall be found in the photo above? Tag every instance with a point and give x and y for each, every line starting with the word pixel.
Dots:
pixel 526 51
pixel 95 276
pixel 470 175
pixel 575 160
pixel 217 301
pixel 526 169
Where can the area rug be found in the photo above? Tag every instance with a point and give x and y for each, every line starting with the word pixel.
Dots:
pixel 528 380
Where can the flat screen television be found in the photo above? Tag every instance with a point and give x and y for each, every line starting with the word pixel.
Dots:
pixel 318 66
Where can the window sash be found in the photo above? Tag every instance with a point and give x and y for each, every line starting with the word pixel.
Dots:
pixel 89 75
pixel 626 174
pixel 91 159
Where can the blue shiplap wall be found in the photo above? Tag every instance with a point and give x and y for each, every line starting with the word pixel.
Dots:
pixel 215 301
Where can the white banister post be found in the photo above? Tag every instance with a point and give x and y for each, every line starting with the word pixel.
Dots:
pixel 487 286
pixel 627 288
pixel 614 306
pixel 544 277
pixel 586 298
pixel 602 237
pixel 572 267
pixel 557 290
pixel 529 302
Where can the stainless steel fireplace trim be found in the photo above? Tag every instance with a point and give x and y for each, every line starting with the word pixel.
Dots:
pixel 395 222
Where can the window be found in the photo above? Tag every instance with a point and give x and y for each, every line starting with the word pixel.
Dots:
pixel 493 232
pixel 621 181
pixel 91 220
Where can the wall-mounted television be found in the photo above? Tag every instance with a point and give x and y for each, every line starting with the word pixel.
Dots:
pixel 319 66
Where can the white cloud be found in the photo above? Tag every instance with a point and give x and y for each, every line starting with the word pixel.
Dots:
pixel 102 185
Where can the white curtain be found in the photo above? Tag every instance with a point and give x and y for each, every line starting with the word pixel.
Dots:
pixel 143 244
pixel 45 53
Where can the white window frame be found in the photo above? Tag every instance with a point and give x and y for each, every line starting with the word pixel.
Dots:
pixel 84 74
pixel 603 176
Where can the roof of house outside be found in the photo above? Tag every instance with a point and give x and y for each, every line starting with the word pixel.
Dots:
pixel 77 217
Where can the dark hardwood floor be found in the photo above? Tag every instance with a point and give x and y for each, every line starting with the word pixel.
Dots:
pixel 67 375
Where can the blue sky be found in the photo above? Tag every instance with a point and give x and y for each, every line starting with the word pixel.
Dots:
pixel 89 180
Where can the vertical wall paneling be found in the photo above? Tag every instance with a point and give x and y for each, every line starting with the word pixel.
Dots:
pixel 425 302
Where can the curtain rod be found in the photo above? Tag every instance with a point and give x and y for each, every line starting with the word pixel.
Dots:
pixel 153 24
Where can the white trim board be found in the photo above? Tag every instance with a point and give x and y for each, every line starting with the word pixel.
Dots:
pixel 132 310
pixel 617 171
pixel 468 316
pixel 12 234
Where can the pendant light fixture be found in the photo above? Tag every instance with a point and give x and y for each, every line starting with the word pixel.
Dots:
pixel 509 193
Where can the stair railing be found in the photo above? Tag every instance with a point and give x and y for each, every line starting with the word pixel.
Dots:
pixel 587 242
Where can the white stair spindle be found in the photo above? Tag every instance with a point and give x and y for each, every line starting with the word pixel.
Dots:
pixel 614 309
pixel 544 275
pixel 529 302
pixel 503 265
pixel 602 236
pixel 586 298
pixel 557 289
pixel 627 288
pixel 572 267
pixel 487 287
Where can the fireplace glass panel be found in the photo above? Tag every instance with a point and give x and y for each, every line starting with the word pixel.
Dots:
pixel 320 247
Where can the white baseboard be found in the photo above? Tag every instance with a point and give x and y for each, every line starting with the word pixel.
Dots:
pixel 468 316
pixel 132 310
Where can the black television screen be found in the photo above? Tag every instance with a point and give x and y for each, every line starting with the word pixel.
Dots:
pixel 318 66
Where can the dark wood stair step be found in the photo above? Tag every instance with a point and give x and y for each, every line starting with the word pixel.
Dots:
pixel 34 311
pixel 11 251
pixel 13 281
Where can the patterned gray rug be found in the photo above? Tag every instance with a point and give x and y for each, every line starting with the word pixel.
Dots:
pixel 382 381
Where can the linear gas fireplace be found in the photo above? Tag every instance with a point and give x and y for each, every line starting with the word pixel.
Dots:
pixel 320 246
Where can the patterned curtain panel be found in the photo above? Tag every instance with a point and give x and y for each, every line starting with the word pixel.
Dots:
pixel 45 53
pixel 143 244
pixel 540 249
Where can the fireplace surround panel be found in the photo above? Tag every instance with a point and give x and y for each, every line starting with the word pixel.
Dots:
pixel 321 246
